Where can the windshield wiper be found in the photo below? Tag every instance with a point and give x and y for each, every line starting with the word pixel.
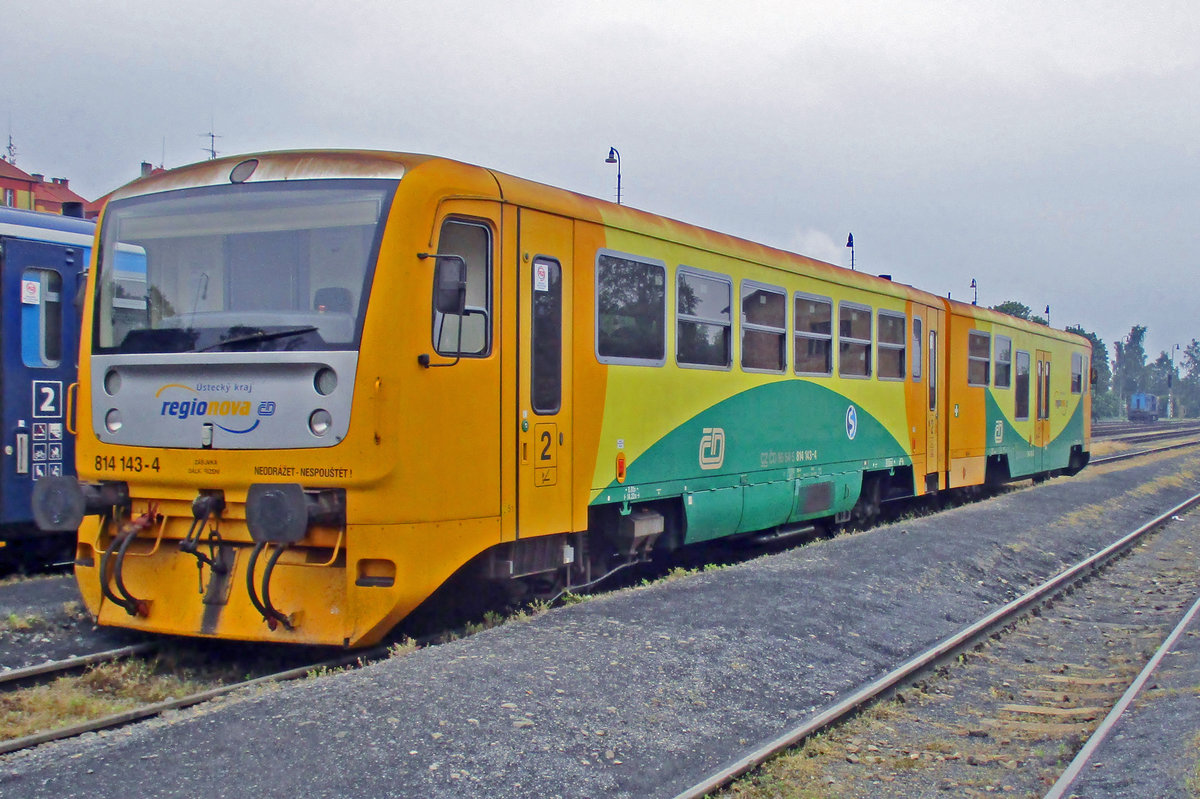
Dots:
pixel 261 335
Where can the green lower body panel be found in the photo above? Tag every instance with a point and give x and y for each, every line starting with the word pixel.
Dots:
pixel 721 512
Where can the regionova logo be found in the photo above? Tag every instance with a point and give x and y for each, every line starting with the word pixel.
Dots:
pixel 236 416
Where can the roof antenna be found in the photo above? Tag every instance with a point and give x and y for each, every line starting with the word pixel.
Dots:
pixel 212 141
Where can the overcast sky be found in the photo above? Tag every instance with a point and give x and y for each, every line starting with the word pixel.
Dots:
pixel 1047 150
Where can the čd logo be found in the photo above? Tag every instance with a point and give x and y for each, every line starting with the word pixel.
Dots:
pixel 712 448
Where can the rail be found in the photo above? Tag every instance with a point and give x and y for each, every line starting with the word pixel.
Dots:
pixel 928 659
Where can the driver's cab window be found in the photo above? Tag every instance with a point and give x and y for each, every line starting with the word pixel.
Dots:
pixel 473 242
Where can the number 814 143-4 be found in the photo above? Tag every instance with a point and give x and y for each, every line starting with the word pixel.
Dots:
pixel 131 463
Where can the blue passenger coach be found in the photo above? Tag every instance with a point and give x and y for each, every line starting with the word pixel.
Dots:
pixel 43 261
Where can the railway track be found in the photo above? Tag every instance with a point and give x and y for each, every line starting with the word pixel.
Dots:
pixel 1062 788
pixel 17 679
pixel 943 652
pixel 1124 456
pixel 50 670
pixel 481 707
pixel 903 673
pixel 1134 430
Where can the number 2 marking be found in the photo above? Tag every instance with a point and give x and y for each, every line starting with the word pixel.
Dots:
pixel 547 440
pixel 47 399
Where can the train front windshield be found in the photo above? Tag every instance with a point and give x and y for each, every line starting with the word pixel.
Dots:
pixel 257 267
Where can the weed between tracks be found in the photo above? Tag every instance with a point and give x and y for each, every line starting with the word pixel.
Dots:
pixel 101 691
pixel 1193 755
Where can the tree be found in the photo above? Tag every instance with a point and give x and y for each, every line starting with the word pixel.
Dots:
pixel 1019 310
pixel 1187 387
pixel 1014 308
pixel 1099 359
pixel 1161 375
pixel 1104 403
pixel 1129 363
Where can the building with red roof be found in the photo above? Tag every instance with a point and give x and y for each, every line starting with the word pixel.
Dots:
pixel 32 192
pixel 16 187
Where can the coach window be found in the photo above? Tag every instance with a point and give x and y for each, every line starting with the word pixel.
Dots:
pixel 1003 371
pixel 1043 392
pixel 1076 373
pixel 933 378
pixel 979 358
pixel 813 345
pixel 473 242
pixel 764 327
pixel 41 318
pixel 703 319
pixel 631 310
pixel 1022 385
pixel 891 351
pixel 545 389
pixel 916 349
pixel 854 340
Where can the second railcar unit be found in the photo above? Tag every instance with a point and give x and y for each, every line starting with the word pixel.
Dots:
pixel 324 382
pixel 42 260
pixel 1021 399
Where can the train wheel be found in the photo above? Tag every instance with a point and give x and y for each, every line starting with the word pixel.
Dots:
pixel 866 510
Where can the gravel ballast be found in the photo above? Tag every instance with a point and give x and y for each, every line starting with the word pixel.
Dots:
pixel 638 693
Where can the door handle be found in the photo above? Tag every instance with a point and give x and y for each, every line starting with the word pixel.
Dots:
pixel 22 453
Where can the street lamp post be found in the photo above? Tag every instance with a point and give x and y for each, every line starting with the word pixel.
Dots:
pixel 614 157
pixel 1171 386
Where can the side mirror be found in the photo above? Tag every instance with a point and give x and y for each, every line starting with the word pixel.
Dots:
pixel 450 285
pixel 1092 376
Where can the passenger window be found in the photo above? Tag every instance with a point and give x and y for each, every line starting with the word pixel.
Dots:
pixel 854 340
pixel 1022 385
pixel 764 327
pixel 631 310
pixel 472 241
pixel 813 345
pixel 916 349
pixel 933 376
pixel 702 319
pixel 1044 390
pixel 545 390
pixel 41 318
pixel 1076 373
pixel 979 358
pixel 1003 371
pixel 891 347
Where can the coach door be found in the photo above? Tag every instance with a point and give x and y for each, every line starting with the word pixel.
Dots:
pixel 41 335
pixel 1041 427
pixel 544 375
pixel 935 452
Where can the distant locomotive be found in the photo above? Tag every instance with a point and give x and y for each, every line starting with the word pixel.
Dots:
pixel 1143 408
pixel 42 261
pixel 331 380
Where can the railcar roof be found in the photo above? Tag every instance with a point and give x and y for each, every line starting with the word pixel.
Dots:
pixel 997 317
pixel 41 226
pixel 482 182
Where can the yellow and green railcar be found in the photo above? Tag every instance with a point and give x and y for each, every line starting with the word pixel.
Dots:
pixel 316 385
pixel 1021 394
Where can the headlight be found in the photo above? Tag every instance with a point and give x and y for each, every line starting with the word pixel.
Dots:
pixel 319 422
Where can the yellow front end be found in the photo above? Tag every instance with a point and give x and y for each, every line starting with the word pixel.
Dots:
pixel 410 453
pixel 335 587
